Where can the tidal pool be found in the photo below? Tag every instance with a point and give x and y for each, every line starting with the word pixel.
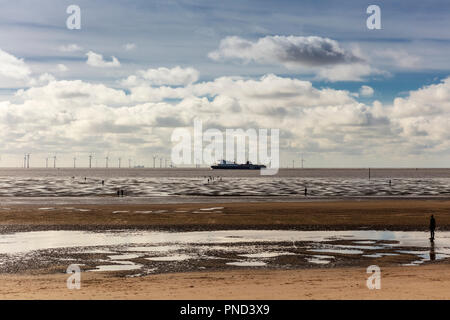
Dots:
pixel 146 251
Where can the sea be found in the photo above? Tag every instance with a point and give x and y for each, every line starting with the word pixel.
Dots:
pixel 160 185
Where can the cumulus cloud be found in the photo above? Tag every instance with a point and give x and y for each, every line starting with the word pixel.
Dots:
pixel 323 56
pixel 366 91
pixel 83 116
pixel 12 67
pixel 14 72
pixel 290 51
pixel 96 60
pixel 423 118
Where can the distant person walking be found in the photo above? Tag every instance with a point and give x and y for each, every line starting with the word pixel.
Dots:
pixel 432 227
pixel 121 192
pixel 306 191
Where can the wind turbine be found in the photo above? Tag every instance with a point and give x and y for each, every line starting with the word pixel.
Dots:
pixel 154 158
pixel 107 160
pixel 129 163
pixel 120 160
pixel 90 161
pixel 54 161
pixel 74 162
pixel 302 161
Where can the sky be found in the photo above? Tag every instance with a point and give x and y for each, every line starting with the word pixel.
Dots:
pixel 342 95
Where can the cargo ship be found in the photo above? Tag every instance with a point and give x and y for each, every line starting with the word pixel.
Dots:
pixel 223 164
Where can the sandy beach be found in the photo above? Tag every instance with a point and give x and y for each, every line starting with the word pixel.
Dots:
pixel 324 215
pixel 428 281
pixel 424 282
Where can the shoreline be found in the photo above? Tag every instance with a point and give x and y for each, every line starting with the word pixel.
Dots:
pixel 129 200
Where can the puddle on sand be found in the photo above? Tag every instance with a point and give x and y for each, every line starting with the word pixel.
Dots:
pixel 320 259
pixel 379 255
pixel 153 249
pixel 266 254
pixel 364 242
pixel 124 256
pixel 247 263
pixel 177 257
pixel 206 248
pixel 340 251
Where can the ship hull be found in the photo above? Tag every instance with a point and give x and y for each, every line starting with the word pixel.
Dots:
pixel 239 167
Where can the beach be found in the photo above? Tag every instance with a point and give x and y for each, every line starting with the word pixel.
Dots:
pixel 395 214
pixel 407 269
pixel 424 282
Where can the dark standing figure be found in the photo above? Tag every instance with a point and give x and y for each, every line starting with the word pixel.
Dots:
pixel 118 193
pixel 121 192
pixel 103 182
pixel 432 227
pixel 390 183
pixel 306 191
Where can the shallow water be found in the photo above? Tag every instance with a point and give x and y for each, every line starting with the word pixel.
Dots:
pixel 194 183
pixel 151 251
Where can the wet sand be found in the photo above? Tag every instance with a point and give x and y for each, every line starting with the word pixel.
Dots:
pixel 429 281
pixel 331 215
pixel 424 282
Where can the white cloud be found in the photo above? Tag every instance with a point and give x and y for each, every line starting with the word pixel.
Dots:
pixel 323 56
pixel 366 91
pixel 290 51
pixel 12 67
pixel 96 60
pixel 62 68
pixel 14 72
pixel 346 72
pixel 423 118
pixel 41 80
pixel 83 116
pixel 162 76
pixel 73 47
pixel 400 58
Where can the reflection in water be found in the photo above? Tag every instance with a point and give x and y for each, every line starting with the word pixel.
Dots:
pixel 143 251
pixel 432 252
